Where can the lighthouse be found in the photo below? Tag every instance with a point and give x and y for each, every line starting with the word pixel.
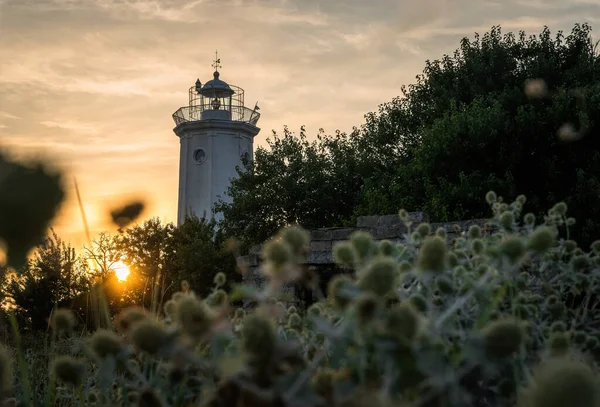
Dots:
pixel 215 132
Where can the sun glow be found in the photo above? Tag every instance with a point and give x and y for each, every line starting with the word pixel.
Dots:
pixel 121 270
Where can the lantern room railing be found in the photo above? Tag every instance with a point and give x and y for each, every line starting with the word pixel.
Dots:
pixel 194 113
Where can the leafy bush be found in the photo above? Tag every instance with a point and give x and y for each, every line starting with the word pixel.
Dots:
pixel 500 315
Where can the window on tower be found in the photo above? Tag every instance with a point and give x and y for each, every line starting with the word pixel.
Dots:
pixel 199 156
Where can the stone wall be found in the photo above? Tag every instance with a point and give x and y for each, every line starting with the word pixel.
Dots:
pixel 384 227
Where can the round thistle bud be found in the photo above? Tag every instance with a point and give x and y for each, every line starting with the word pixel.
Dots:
pixel 129 317
pixel 68 370
pixel 277 253
pixel 63 320
pixel 558 344
pixel 335 287
pixel 297 238
pixel 491 197
pixel 529 219
pixel 474 232
pixel 105 344
pixel 507 220
pixel 580 263
pixel 558 326
pixel 220 279
pixel 194 317
pixel 562 382
pixel 258 338
pixel 445 285
pixel 419 302
pixel 292 310
pixel 150 336
pixel 294 321
pixel 441 232
pixel 403 321
pixel 219 298
pixel 521 199
pixel 570 246
pixel 344 254
pixel 366 306
pixel 292 334
pixel 513 248
pixel 404 216
pixel 386 248
pixel 595 246
pixel 477 246
pixel 502 338
pixel 362 243
pixel 579 337
pixel 560 208
pixel 432 255
pixel 571 221
pixel 542 239
pixel 380 276
pixel 423 229
pixel 6 369
pixel 452 259
pixel 92 397
pixel 149 398
pixel 315 310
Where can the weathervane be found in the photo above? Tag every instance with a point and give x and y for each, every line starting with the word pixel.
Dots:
pixel 217 62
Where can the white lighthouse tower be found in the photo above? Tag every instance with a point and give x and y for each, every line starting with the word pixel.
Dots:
pixel 215 131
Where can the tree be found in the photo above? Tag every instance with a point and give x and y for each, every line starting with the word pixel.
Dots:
pixel 475 129
pixel 201 253
pixel 55 277
pixel 314 184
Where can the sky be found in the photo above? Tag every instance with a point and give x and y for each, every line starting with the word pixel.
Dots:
pixel 92 84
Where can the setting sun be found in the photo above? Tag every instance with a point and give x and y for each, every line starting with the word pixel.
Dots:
pixel 121 270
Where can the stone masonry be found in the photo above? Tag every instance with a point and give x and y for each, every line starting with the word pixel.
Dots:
pixel 320 257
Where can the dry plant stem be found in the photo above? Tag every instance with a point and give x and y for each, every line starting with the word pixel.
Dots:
pixel 29 396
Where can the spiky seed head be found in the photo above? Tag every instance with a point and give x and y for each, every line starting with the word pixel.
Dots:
pixel 220 298
pixel 456 228
pixel 292 310
pixel 6 370
pixel 507 220
pixel 529 219
pixel 570 246
pixel 185 286
pixel 335 287
pixel 513 248
pixel 580 263
pixel 92 397
pixel 315 310
pixel 194 317
pixel 521 199
pixel 558 343
pixel 380 276
pixel 502 338
pixel 595 246
pixel 150 336
pixel 345 254
pixel 424 229
pixel 386 248
pixel 404 216
pixel 452 259
pixel 419 302
pixel 474 232
pixel 258 338
pixel 403 321
pixel 560 208
pixel 294 321
pixel 105 343
pixel 542 239
pixel 68 370
pixel 562 382
pixel 63 320
pixel 130 316
pixel 366 306
pixel 277 252
pixel 477 246
pixel 149 398
pixel 491 197
pixel 363 244
pixel 432 255
pixel 220 279
pixel 297 238
pixel 441 232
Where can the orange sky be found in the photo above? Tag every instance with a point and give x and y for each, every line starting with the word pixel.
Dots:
pixel 93 83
